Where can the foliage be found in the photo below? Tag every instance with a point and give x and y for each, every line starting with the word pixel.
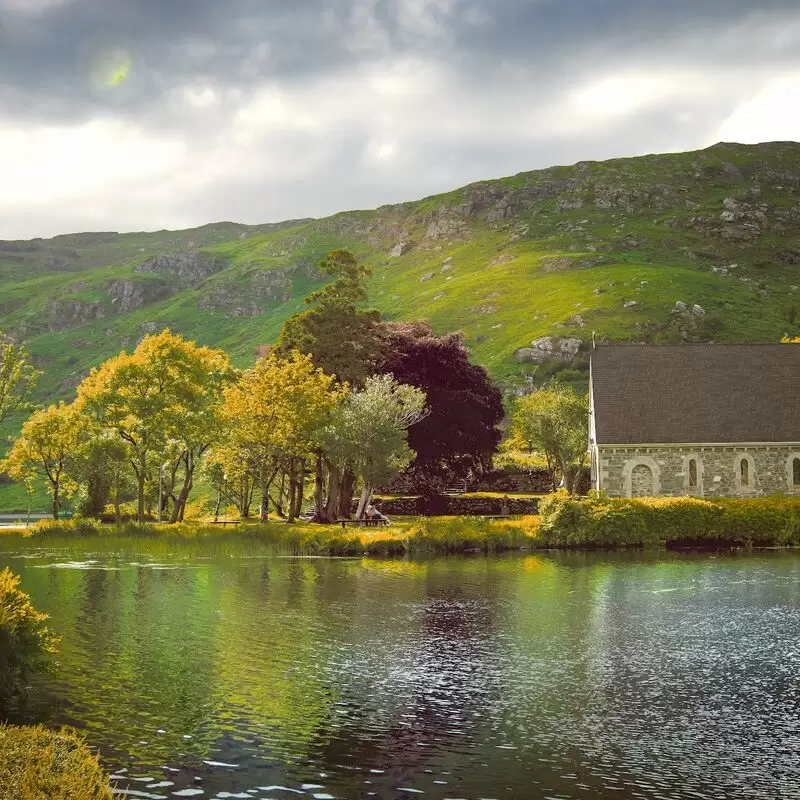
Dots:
pixel 461 431
pixel 100 469
pixel 273 417
pixel 601 521
pixel 369 432
pixel 18 378
pixel 161 401
pixel 40 764
pixel 25 642
pixel 49 439
pixel 338 335
pixel 555 422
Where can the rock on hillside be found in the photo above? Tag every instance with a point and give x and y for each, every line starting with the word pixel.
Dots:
pixel 188 268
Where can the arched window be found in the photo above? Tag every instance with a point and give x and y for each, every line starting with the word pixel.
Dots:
pixel 641 477
pixel 796 473
pixel 744 472
pixel 692 473
pixel 642 481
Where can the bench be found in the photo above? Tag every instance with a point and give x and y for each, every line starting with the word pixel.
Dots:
pixel 224 522
pixel 363 523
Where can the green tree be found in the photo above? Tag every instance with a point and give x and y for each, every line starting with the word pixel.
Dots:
pixel 554 422
pixel 369 434
pixel 102 471
pixel 273 416
pixel 163 393
pixel 18 378
pixel 49 440
pixel 338 335
pixel 25 642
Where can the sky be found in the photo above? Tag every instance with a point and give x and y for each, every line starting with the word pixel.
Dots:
pixel 149 114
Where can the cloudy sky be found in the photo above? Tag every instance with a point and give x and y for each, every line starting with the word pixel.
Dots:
pixel 146 114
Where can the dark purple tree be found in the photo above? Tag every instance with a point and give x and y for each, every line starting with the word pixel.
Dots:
pixel 462 431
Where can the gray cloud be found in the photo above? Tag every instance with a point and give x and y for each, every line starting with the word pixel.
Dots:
pixel 259 110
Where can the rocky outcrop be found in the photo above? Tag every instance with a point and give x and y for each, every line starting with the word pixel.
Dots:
pixel 189 268
pixel 247 296
pixel 128 295
pixel 230 300
pixel 447 225
pixel 549 348
pixel 65 312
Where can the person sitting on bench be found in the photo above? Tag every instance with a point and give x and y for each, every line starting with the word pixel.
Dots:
pixel 373 515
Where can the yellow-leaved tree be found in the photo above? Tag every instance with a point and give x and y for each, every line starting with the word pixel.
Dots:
pixel 49 440
pixel 273 416
pixel 162 400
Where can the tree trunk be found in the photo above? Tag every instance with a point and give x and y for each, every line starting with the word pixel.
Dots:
pixel 298 508
pixel 334 484
pixel 180 503
pixel 117 510
pixel 279 499
pixel 296 479
pixel 346 494
pixel 319 486
pixel 244 497
pixel 216 507
pixel 56 503
pixel 140 476
pixel 366 495
pixel 265 486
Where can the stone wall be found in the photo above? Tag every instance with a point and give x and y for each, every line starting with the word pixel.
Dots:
pixel 717 471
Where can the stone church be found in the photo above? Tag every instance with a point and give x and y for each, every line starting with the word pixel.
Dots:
pixel 695 419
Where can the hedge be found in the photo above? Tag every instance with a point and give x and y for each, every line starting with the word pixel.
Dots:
pixel 40 764
pixel 456 505
pixel 600 521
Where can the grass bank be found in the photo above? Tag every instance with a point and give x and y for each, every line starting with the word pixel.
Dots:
pixel 603 522
pixel 406 536
pixel 565 522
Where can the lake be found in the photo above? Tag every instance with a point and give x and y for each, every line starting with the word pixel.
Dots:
pixel 218 671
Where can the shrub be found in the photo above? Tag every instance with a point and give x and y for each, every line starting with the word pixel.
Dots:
pixel 25 642
pixel 601 521
pixel 40 764
pixel 66 527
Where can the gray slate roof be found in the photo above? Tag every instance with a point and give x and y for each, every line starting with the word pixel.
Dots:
pixel 696 393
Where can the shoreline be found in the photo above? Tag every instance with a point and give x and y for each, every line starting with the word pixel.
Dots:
pixel 566 524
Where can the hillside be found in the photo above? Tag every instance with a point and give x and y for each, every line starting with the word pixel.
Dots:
pixel 609 247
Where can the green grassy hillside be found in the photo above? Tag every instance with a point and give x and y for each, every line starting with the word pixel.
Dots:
pixel 556 252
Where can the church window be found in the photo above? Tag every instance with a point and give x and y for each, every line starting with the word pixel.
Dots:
pixel 796 473
pixel 744 472
pixel 693 473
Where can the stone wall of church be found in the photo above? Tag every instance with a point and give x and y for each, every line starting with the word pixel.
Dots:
pixel 704 471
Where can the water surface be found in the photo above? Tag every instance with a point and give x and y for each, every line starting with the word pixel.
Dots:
pixel 217 671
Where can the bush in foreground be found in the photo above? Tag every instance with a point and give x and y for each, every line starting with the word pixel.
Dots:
pixel 40 764
pixel 600 521
pixel 25 641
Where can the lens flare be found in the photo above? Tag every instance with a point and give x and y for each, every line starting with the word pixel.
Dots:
pixel 111 68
